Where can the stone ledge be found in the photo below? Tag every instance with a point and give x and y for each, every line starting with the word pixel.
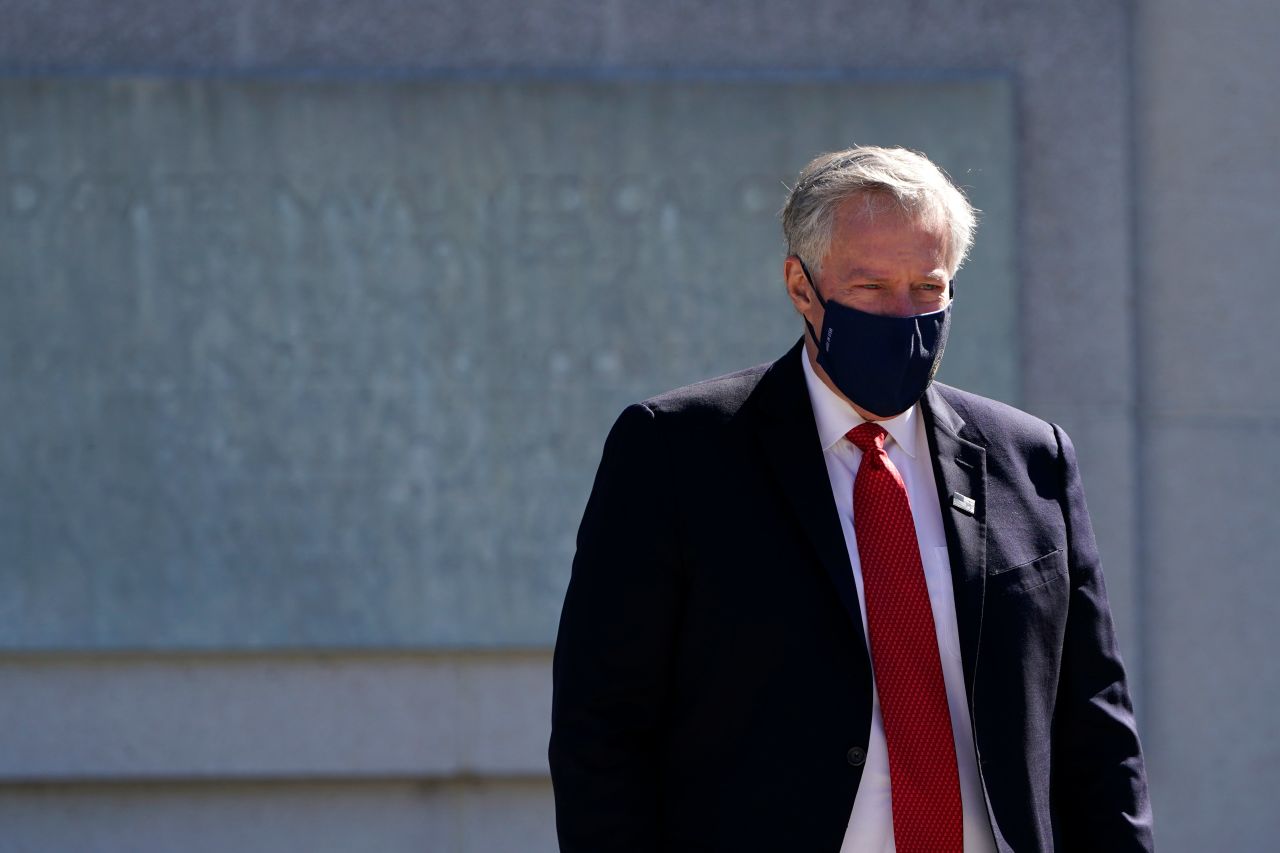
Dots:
pixel 393 716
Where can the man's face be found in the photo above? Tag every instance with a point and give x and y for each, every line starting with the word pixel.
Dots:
pixel 881 261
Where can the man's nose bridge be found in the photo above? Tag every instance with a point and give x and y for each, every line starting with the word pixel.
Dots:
pixel 901 304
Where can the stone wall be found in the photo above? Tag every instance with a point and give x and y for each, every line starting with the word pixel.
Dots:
pixel 216 592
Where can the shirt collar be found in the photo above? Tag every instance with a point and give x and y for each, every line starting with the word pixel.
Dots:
pixel 835 417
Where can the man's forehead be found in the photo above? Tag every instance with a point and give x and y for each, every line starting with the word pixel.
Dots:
pixel 867 208
pixel 869 202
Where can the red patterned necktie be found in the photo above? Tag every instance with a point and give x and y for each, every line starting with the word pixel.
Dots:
pixel 925 785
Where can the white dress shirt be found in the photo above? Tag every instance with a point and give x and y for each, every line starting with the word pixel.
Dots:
pixel 871 822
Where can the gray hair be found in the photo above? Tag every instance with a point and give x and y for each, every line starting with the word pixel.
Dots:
pixel 907 178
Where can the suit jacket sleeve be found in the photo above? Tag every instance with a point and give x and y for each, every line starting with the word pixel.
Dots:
pixel 1099 781
pixel 613 650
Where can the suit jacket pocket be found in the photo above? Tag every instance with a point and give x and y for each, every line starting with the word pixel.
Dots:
pixel 1030 575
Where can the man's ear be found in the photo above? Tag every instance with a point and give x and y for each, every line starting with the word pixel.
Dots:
pixel 798 289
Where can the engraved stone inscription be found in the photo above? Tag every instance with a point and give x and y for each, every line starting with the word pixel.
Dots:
pixel 330 365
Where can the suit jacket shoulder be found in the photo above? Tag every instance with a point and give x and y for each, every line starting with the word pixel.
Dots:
pixel 711 400
pixel 993 421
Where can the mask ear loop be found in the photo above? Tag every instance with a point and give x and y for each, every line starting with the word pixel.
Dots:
pixel 821 301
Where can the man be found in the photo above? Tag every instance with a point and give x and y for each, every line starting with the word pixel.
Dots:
pixel 828 604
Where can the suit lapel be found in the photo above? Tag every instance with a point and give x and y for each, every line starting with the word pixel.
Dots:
pixel 960 470
pixel 789 441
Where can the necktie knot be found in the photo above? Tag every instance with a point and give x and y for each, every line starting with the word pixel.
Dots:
pixel 867 437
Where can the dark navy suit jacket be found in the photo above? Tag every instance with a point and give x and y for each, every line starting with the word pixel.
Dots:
pixel 712 681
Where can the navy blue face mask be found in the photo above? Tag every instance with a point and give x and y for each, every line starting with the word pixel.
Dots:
pixel 883 364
